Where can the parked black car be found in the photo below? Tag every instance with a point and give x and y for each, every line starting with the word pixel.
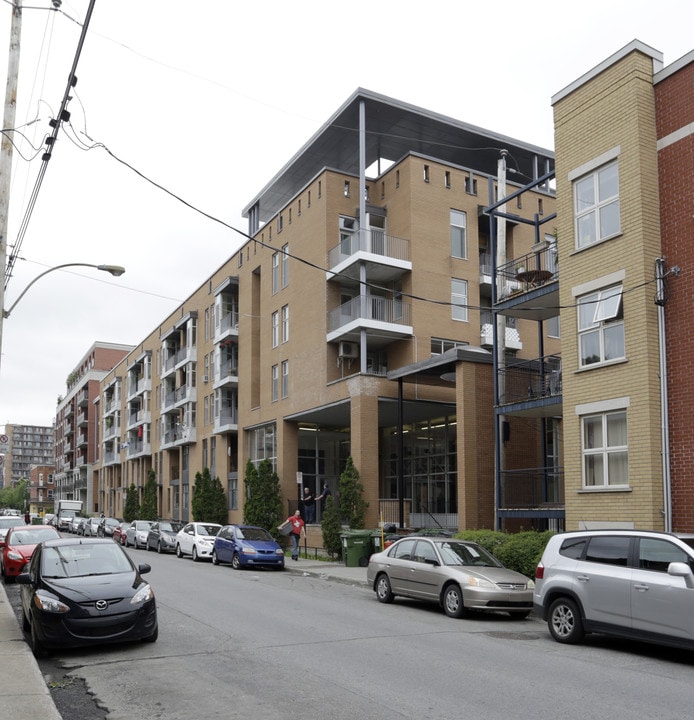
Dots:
pixel 85 591
pixel 162 536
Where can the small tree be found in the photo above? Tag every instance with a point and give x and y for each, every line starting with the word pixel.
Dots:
pixel 352 504
pixel 263 506
pixel 148 509
pixel 331 528
pixel 131 511
pixel 200 504
pixel 218 503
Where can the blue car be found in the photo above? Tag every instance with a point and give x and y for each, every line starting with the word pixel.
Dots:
pixel 245 545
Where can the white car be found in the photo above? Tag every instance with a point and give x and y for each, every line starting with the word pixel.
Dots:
pixel 197 540
pixel 136 534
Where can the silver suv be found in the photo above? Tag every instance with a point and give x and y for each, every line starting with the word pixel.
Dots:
pixel 631 583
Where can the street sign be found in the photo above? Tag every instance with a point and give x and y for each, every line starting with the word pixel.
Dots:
pixel 4 444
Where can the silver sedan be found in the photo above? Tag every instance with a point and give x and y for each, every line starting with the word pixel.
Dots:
pixel 456 574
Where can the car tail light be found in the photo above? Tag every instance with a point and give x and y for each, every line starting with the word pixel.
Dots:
pixel 539 572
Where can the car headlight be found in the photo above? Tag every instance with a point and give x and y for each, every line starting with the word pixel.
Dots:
pixel 14 555
pixel 206 543
pixel 249 551
pixel 167 538
pixel 480 582
pixel 279 551
pixel 142 595
pixel 531 584
pixel 50 604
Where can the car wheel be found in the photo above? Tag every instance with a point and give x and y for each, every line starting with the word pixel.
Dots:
pixel 153 637
pixel 195 554
pixel 453 601
pixel 236 561
pixel 178 551
pixel 519 614
pixel 564 621
pixel 384 593
pixel 159 550
pixel 36 646
pixel 215 559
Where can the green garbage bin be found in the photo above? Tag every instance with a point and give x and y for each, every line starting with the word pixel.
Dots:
pixel 376 540
pixel 356 547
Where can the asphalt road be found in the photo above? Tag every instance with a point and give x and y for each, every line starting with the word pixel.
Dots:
pixel 266 645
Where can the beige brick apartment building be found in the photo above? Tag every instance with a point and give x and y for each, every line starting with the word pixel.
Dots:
pixel 354 321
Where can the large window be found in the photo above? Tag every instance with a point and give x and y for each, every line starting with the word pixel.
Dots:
pixel 458 234
pixel 601 326
pixel 596 205
pixel 604 449
pixel 285 323
pixel 275 272
pixel 459 299
pixel 275 329
pixel 262 444
pixel 285 265
pixel 285 378
pixel 275 382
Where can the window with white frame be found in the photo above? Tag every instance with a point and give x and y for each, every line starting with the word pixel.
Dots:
pixel 458 234
pixel 601 326
pixel 275 272
pixel 285 265
pixel 285 378
pixel 596 205
pixel 605 450
pixel 285 323
pixel 275 329
pixel 441 345
pixel 275 383
pixel 459 299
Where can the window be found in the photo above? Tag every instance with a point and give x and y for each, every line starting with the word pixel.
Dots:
pixel 275 382
pixel 458 234
pixel 275 329
pixel 609 550
pixel 285 323
pixel 275 272
pixel 285 266
pixel 596 206
pixel 440 345
pixel 656 554
pixel 285 378
pixel 601 326
pixel 471 185
pixel 553 327
pixel 447 179
pixel 604 449
pixel 280 223
pixel 459 299
pixel 426 173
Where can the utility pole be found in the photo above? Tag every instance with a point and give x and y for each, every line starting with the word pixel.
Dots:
pixel 8 124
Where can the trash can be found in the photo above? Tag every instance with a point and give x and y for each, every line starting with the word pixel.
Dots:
pixel 376 540
pixel 356 547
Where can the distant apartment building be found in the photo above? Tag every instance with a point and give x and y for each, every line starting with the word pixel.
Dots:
pixel 28 445
pixel 76 424
pixel 624 151
pixel 41 489
pixel 357 321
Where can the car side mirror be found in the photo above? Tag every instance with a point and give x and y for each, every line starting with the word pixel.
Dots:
pixel 23 578
pixel 144 568
pixel 431 561
pixel 680 569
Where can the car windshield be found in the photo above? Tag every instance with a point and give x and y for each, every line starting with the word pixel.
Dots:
pixel 111 522
pixel 84 559
pixel 458 553
pixel 208 529
pixel 170 527
pixel 143 525
pixel 33 537
pixel 254 534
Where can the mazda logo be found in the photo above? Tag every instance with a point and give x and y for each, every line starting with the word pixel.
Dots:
pixel 101 604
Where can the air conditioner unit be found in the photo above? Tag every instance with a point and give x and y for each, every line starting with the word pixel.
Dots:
pixel 348 350
pixel 205 378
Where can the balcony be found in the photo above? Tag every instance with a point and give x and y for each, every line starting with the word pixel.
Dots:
pixel 138 448
pixel 536 490
pixel 227 373
pixel 178 435
pixel 83 418
pixel 83 397
pixel 227 421
pixel 137 417
pixel 532 388
pixel 386 257
pixel 228 326
pixel 178 357
pixel 529 285
pixel 380 317
pixel 513 341
pixel 138 386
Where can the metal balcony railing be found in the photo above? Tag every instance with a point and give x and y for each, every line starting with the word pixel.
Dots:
pixel 532 488
pixel 531 379
pixel 375 242
pixel 370 307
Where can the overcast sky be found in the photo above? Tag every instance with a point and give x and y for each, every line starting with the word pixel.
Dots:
pixel 209 98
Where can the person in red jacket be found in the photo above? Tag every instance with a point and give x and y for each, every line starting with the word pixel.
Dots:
pixel 298 529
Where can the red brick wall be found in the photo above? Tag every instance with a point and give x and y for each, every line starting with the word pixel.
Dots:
pixel 674 112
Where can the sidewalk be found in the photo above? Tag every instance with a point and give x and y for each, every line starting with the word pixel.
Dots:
pixel 24 694
pixel 335 571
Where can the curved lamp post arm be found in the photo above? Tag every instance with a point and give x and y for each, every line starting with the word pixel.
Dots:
pixel 115 270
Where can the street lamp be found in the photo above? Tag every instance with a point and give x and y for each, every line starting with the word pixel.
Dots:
pixel 115 270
